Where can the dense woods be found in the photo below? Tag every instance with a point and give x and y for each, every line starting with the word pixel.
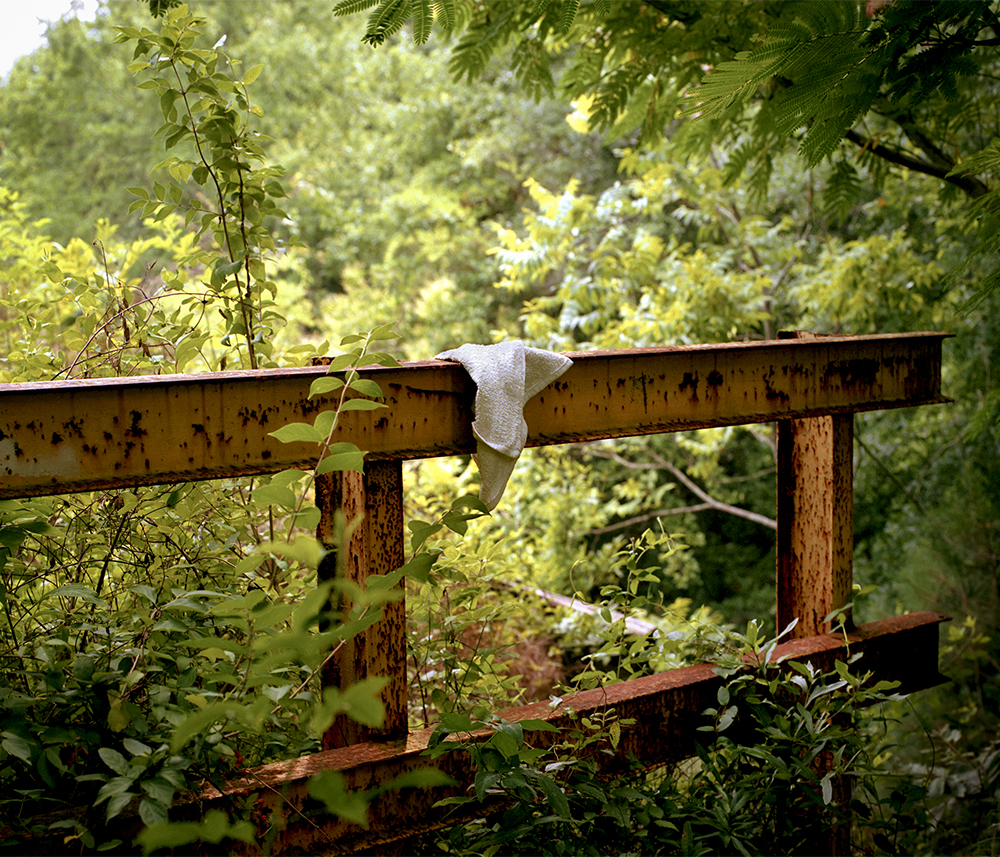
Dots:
pixel 574 174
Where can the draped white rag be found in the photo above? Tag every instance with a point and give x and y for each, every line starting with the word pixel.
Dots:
pixel 506 376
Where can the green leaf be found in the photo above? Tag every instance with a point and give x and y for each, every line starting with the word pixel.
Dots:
pixel 160 790
pixel 367 387
pixel 325 421
pixel 504 744
pixel 324 385
pixel 827 786
pixel 728 716
pixel 471 501
pixel 555 796
pixel 77 590
pixel 239 606
pixel 252 74
pixel 214 828
pixel 361 405
pixel 421 532
pixel 423 19
pixel 388 19
pixel 344 361
pixel 532 725
pixel 274 495
pixel 422 778
pixel 305 550
pixel 83 667
pixel 152 811
pixel 136 748
pixel 342 461
pixel 458 722
pixel 118 803
pixel 224 269
pixel 361 701
pixel 381 358
pixel 298 433
pixel 16 746
pixel 200 721
pixel 145 591
pixel 114 760
pixel 328 788
pixel 352 7
pixel 382 333
pixel 119 716
pixel 419 567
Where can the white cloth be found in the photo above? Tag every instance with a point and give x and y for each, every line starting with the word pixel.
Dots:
pixel 506 376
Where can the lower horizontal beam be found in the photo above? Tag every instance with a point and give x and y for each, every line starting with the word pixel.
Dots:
pixel 667 709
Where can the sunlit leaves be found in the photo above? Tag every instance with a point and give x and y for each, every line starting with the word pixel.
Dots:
pixel 210 113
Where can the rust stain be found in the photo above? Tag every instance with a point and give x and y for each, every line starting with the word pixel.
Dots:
pixel 690 379
pixel 72 427
pixel 860 371
pixel 772 393
pixel 134 429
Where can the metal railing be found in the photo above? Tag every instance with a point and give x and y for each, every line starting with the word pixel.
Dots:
pixel 63 437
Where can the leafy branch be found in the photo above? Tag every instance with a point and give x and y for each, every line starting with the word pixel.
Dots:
pixel 228 157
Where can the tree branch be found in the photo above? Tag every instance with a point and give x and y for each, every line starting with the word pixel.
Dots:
pixel 969 184
pixel 649 516
pixel 708 502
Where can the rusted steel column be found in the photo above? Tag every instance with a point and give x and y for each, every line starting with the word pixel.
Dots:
pixel 372 506
pixel 815 539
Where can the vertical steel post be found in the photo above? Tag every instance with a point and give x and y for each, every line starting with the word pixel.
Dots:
pixel 815 539
pixel 372 506
pixel 815 548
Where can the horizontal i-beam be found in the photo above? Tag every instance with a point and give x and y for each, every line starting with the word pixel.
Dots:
pixel 666 709
pixel 64 436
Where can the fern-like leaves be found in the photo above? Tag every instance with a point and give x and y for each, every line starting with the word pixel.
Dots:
pixel 843 190
pixel 423 21
pixel 444 10
pixel 390 16
pixel 567 14
pixel 530 62
pixel 828 73
pixel 352 7
pixel 387 20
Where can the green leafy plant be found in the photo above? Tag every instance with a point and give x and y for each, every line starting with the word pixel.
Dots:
pixel 791 755
pixel 210 112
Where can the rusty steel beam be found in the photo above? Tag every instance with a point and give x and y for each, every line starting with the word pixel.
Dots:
pixel 372 507
pixel 815 512
pixel 667 709
pixel 815 516
pixel 64 436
